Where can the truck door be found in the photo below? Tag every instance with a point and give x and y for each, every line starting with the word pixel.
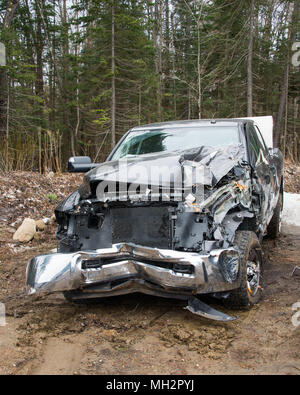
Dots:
pixel 262 177
pixel 275 179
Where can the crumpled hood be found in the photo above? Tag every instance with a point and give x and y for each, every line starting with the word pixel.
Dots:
pixel 167 168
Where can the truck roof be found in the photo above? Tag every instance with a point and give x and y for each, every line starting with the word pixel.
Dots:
pixel 191 123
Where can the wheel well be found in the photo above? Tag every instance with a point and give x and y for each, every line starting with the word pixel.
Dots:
pixel 249 224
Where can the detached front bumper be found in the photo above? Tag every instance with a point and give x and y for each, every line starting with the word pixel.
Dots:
pixel 128 268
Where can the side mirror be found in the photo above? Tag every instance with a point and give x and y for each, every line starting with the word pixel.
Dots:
pixel 80 164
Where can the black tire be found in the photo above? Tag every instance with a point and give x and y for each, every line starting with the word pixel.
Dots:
pixel 246 296
pixel 273 229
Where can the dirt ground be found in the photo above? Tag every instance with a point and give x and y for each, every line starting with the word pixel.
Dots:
pixel 135 334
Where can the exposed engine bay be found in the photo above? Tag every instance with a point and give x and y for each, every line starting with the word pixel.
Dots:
pixel 185 222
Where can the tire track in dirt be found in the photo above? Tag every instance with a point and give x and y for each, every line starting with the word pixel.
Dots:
pixel 60 356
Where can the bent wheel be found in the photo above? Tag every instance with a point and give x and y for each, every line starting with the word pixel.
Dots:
pixel 250 273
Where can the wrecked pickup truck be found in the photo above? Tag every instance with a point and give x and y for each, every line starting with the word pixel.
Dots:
pixel 179 209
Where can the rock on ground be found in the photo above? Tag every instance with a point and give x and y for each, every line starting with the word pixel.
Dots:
pixel 40 225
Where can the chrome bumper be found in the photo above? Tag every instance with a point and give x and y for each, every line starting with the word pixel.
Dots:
pixel 127 268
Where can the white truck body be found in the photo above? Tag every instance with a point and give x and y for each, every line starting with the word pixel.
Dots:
pixel 265 125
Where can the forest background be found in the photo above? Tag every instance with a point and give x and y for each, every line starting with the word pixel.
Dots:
pixel 80 73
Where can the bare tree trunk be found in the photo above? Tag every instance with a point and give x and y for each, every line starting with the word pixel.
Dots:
pixel 39 83
pixel 157 37
pixel 10 12
pixel 189 103
pixel 284 86
pixel 3 102
pixel 40 149
pixel 249 66
pixel 187 47
pixel 113 81
pixel 173 66
pixel 285 122
pixel 199 70
pixel 7 130
pixel 283 95
pixel 77 87
pixel 160 49
pixel 140 104
pixel 52 82
pixel 296 106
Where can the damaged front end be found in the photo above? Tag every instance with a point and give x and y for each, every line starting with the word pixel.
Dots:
pixel 171 237
pixel 126 268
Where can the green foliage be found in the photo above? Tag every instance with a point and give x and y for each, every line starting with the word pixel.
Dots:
pixel 51 197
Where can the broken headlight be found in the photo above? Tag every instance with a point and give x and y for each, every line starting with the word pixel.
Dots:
pixel 229 265
pixel 69 203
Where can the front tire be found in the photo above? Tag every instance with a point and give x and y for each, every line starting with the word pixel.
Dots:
pixel 250 273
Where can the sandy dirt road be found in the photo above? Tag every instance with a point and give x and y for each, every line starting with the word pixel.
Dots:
pixel 139 334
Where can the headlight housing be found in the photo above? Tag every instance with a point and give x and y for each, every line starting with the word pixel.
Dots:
pixel 229 264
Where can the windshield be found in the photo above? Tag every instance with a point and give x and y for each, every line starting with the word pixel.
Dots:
pixel 150 141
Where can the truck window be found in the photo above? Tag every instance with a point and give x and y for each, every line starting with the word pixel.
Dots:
pixel 178 138
pixel 262 141
pixel 257 150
